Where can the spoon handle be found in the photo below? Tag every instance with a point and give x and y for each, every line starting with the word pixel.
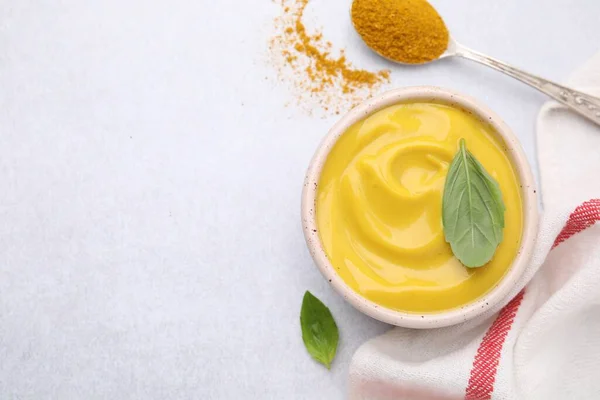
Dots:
pixel 584 104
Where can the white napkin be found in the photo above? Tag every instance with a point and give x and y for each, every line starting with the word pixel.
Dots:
pixel 545 344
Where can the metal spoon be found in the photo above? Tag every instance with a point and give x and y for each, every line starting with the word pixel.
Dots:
pixel 584 104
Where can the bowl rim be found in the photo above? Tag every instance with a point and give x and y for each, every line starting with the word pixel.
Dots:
pixel 528 191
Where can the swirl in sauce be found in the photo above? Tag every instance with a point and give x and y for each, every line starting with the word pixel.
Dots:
pixel 379 206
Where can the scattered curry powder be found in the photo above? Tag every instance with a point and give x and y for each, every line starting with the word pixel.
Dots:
pixel 409 31
pixel 306 61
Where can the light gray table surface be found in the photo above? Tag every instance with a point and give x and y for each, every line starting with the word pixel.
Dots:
pixel 150 178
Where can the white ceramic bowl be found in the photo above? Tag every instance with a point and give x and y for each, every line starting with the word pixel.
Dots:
pixel 530 210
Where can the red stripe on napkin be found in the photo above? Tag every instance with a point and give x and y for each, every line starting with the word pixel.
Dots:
pixel 483 373
pixel 485 364
pixel 582 218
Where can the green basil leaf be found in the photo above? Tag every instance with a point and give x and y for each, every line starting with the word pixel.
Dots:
pixel 472 210
pixel 319 331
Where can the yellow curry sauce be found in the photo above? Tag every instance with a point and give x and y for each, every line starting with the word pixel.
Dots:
pixel 379 205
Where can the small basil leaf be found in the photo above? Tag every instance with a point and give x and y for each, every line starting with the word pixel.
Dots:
pixel 472 210
pixel 319 331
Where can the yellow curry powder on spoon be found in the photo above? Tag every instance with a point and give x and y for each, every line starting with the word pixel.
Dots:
pixel 408 31
pixel 306 60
